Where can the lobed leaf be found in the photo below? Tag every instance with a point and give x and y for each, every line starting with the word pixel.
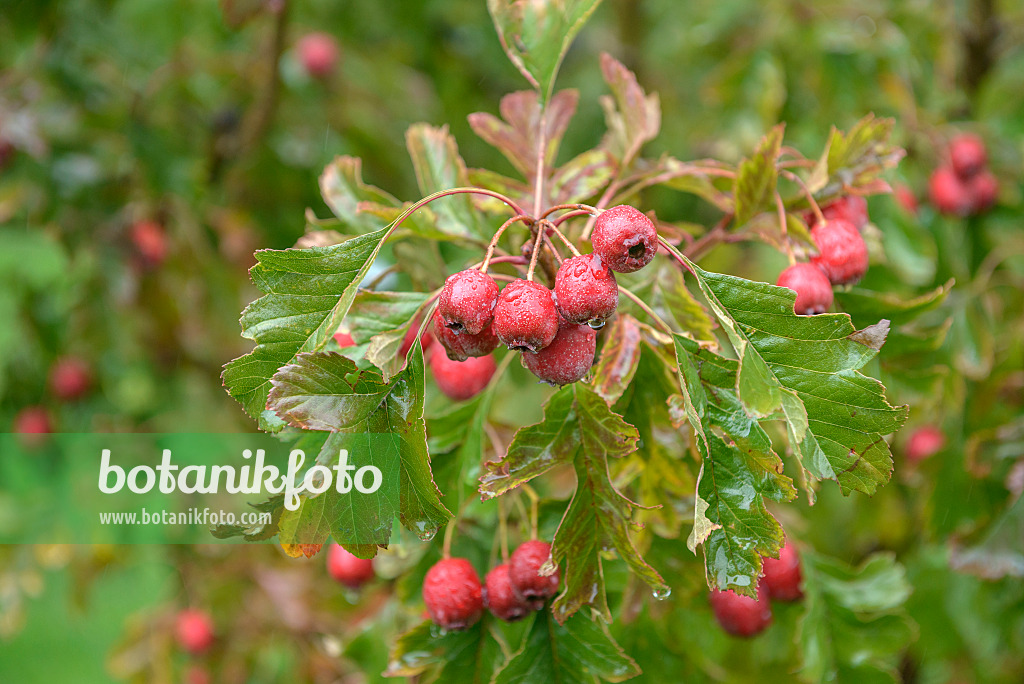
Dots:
pixel 757 178
pixel 633 117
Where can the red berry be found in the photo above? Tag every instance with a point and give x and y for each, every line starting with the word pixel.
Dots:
pixel 34 422
pixel 782 576
pixel 740 615
pixel 907 200
pixel 625 238
pixel 194 630
pixel 852 208
pixel 842 254
pixel 70 378
pixel 344 340
pixel 524 571
pixel 150 241
pixel 500 598
pixel 568 358
pixel 967 155
pixel 453 593
pixel 461 347
pixel 948 193
pixel 461 380
pixel 983 190
pixel 318 53
pixel 525 318
pixel 467 301
pixel 812 287
pixel 585 290
pixel 924 443
pixel 347 568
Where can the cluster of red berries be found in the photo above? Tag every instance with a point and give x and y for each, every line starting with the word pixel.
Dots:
pixel 842 257
pixel 554 329
pixel 70 379
pixel 745 617
pixel 964 186
pixel 455 597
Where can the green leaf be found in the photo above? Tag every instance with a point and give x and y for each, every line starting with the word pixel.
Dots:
pixel 307 293
pixel 537 34
pixel 582 177
pixel 633 117
pixel 382 319
pixel 342 187
pixel 856 159
pixel 438 166
pixel 757 178
pixel 471 655
pixel 578 651
pixel 868 305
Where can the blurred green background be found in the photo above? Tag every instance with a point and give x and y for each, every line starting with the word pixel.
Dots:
pixel 199 118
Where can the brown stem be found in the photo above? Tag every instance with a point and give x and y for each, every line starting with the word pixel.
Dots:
pixel 709 240
pixel 259 121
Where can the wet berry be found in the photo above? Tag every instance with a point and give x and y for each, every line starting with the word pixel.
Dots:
pixel 842 253
pixel 525 318
pixel 852 208
pixel 461 380
pixel 740 615
pixel 948 193
pixel 524 571
pixel 347 568
pixel 782 576
pixel 567 359
pixel 812 287
pixel 467 301
pixel 625 239
pixel 967 155
pixel 499 597
pixel 453 594
pixel 461 347
pixel 585 290
pixel 193 629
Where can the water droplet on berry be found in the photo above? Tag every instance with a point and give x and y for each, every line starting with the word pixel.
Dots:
pixel 596 323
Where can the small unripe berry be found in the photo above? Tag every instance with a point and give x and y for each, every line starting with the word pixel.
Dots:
pixel 812 287
pixel 741 615
pixel 524 570
pixel 782 576
pixel 567 359
pixel 852 208
pixel 452 593
pixel 625 238
pixel 842 253
pixel 948 193
pixel 347 568
pixel 150 241
pixel 318 53
pixel 461 347
pixel 461 380
pixel 70 378
pixel 194 630
pixel 467 301
pixel 525 318
pixel 967 155
pixel 924 443
pixel 585 290
pixel 499 597
pixel 983 190
pixel 344 339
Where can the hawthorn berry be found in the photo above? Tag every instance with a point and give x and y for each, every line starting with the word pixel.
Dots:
pixel 852 208
pixel 34 423
pixel 983 189
pixel 525 318
pixel 524 571
pixel 924 443
pixel 344 339
pixel 193 629
pixel 948 193
pixel 347 568
pixel 567 359
pixel 426 339
pixel 625 238
pixel 585 290
pixel 150 241
pixel 812 287
pixel 453 594
pixel 461 347
pixel 70 378
pixel 905 197
pixel 318 53
pixel 842 253
pixel 461 380
pixel 499 597
pixel 782 576
pixel 967 155
pixel 467 301
pixel 741 615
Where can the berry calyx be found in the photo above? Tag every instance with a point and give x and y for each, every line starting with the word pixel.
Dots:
pixel 625 239
pixel 461 380
pixel 948 193
pixel 500 598
pixel 193 628
pixel 461 347
pixel 741 615
pixel 585 290
pixel 567 359
pixel 842 253
pixel 983 190
pixel 524 571
pixel 453 594
pixel 318 53
pixel 347 568
pixel 466 303
pixel 812 287
pixel 852 208
pixel 70 378
pixel 782 576
pixel 525 318
pixel 967 155
pixel 924 443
